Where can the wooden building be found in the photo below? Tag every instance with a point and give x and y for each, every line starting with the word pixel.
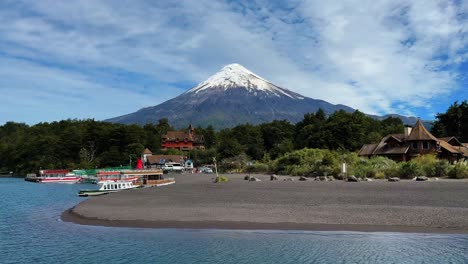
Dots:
pixel 413 143
pixel 156 161
pixel 183 140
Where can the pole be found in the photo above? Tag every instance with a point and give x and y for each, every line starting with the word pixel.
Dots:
pixel 216 167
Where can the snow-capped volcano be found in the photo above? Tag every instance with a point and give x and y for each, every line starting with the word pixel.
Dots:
pixel 232 96
pixel 236 76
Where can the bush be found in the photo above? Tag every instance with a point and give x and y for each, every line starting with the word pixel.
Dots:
pixel 379 175
pixel 259 167
pixel 427 165
pixel 410 169
pixel 393 171
pixel 301 171
pixel 221 179
pixel 308 162
pixel 459 171
pixel 441 168
pixel 373 168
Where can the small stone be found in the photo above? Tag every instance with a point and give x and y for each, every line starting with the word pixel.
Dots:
pixel 394 179
pixel 353 178
pixel 422 178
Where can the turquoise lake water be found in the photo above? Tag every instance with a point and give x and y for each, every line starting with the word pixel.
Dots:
pixel 31 232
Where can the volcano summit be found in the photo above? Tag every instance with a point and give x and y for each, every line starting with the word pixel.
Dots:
pixel 232 96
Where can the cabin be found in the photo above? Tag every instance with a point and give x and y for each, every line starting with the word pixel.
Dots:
pixel 183 140
pixel 414 142
pixel 160 161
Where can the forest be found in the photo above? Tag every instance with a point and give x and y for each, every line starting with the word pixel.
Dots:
pixel 84 144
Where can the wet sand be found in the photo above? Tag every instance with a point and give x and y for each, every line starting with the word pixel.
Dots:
pixel 196 202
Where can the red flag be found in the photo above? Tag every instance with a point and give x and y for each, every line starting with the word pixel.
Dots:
pixel 139 164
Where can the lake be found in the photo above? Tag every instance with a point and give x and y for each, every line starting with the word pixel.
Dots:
pixel 31 232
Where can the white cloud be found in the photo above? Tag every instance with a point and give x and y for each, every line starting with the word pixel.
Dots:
pixel 33 94
pixel 374 56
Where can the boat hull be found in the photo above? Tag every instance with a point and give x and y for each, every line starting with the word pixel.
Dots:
pixel 67 180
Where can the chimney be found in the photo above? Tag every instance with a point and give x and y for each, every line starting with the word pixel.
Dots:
pixel 408 131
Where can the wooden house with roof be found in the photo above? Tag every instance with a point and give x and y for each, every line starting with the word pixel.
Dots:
pixel 183 140
pixel 157 161
pixel 413 143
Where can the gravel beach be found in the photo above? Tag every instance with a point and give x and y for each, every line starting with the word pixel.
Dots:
pixel 196 202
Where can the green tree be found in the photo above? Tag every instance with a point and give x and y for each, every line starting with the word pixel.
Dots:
pixel 454 122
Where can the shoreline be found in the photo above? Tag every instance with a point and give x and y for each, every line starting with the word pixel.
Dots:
pixel 70 216
pixel 194 202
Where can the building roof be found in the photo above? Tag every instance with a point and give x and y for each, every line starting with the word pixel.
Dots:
pixel 463 150
pixel 147 151
pixel 391 151
pixel 159 159
pixel 419 132
pixel 175 135
pixel 367 150
pixel 452 141
pixel 449 147
pixel 182 136
pixel 398 137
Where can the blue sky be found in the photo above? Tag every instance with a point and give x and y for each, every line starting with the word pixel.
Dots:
pixel 100 59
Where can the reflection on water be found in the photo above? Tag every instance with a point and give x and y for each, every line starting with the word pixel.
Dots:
pixel 31 232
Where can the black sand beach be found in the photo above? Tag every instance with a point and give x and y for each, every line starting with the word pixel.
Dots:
pixel 195 202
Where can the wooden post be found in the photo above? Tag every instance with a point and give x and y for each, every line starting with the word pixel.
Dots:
pixel 216 167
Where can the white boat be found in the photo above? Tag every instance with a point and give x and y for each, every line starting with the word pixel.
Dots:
pixel 103 176
pixel 106 187
pixel 53 176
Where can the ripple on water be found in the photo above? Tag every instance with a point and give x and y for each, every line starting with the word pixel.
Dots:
pixel 31 233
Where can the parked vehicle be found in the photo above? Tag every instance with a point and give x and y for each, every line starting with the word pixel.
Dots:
pixel 172 166
pixel 205 170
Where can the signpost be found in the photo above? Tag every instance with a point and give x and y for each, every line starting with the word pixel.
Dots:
pixel 343 170
pixel 249 167
pixel 216 167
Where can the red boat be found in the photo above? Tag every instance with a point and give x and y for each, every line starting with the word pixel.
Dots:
pixel 57 176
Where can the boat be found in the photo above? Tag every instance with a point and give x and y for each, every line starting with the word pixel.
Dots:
pixel 109 186
pixel 149 177
pixel 103 176
pixel 53 176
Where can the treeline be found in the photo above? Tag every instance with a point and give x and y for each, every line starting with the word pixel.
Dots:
pixel 83 144
pixel 74 144
pixel 324 162
pixel 340 131
pixel 454 122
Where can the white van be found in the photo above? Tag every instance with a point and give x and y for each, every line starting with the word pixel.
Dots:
pixel 172 166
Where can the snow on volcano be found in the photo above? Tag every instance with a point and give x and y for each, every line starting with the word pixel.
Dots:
pixel 236 76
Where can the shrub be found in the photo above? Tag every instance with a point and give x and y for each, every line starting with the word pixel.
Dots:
pixel 427 164
pixel 393 171
pixel 410 169
pixel 459 171
pixel 301 171
pixel 307 162
pixel 441 168
pixel 221 179
pixel 259 167
pixel 373 168
pixel 380 175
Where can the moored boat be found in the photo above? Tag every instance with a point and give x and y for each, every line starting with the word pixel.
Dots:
pixel 109 186
pixel 104 176
pixel 53 176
